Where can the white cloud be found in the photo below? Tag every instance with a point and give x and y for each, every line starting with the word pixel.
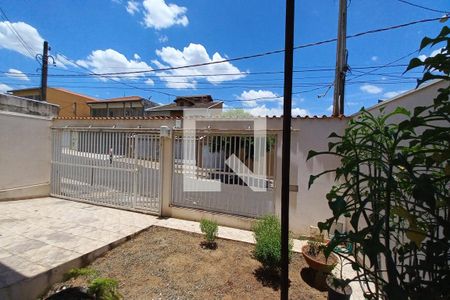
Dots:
pixel 132 7
pixel 434 53
pixel 370 89
pixel 149 82
pixel 330 108
pixel 29 34
pixel 393 94
pixel 4 88
pixel 163 39
pixel 193 54
pixel 111 61
pixel 17 74
pixel 159 15
pixel 266 96
pixel 136 56
pixel 374 58
pixel 262 110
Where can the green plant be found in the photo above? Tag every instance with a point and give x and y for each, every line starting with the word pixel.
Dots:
pixel 209 229
pixel 314 248
pixel 267 233
pixel 393 185
pixel 104 289
pixel 76 272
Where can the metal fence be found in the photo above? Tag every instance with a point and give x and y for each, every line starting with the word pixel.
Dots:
pixel 119 168
pixel 200 160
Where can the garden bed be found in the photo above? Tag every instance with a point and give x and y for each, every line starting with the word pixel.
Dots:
pixel 170 264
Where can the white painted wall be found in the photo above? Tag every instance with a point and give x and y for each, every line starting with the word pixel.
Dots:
pixel 25 151
pixel 422 96
pixel 309 206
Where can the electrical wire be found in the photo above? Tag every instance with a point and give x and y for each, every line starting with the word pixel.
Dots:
pixel 268 52
pixel 423 7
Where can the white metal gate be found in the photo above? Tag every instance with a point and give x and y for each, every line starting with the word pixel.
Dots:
pixel 118 168
pixel 208 163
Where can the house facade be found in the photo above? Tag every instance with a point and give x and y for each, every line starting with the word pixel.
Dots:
pixel 182 103
pixel 131 106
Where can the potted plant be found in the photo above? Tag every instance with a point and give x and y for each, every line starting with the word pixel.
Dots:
pixel 338 288
pixel 316 259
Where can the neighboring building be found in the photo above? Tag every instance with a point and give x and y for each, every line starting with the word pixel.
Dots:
pixel 182 103
pixel 70 104
pixel 131 106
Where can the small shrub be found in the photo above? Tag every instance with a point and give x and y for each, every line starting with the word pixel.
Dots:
pixel 314 248
pixel 267 232
pixel 104 289
pixel 209 229
pixel 76 272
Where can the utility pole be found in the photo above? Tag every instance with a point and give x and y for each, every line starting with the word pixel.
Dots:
pixel 286 146
pixel 44 72
pixel 341 61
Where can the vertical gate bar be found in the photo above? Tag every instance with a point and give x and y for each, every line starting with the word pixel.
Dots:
pixel 226 169
pixel 52 164
pixel 152 172
pixel 105 171
pixel 155 173
pixel 151 190
pixel 127 198
pixel 90 147
pixel 176 185
pixel 123 167
pixel 99 164
pixel 69 160
pixel 115 165
pixel 120 168
pixel 134 186
pixel 144 171
pixel 158 173
pixel 107 168
pixel 97 170
pixel 58 169
pixel 79 160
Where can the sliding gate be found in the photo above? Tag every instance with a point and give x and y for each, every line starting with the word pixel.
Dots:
pixel 117 168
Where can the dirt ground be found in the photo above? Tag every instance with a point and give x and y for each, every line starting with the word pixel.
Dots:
pixel 169 264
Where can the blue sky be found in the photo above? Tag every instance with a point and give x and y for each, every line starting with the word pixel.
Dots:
pixel 106 36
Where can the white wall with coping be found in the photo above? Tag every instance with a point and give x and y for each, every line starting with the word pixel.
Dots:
pixel 25 153
pixel 422 96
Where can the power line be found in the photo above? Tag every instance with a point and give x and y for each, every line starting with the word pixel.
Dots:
pixel 268 52
pixel 322 69
pixel 383 66
pixel 118 81
pixel 423 7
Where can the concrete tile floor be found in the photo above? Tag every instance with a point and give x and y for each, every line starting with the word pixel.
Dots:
pixel 44 236
pixel 39 235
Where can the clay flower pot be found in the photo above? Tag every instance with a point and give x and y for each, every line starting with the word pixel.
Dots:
pixel 318 265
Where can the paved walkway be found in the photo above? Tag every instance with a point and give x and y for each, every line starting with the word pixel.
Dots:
pixel 46 236
pixel 41 239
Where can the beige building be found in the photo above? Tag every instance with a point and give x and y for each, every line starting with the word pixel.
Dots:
pixel 70 104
